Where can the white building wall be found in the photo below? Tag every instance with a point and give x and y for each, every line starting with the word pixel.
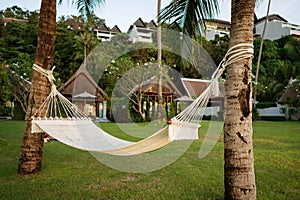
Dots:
pixel 104 36
pixel 277 29
pixel 278 111
pixel 137 36
pixel 133 35
pixel 211 34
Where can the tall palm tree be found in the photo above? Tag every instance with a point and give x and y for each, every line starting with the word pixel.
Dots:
pixel 239 176
pixel 32 147
pixel 238 148
pixel 159 57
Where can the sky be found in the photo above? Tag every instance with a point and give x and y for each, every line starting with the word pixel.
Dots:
pixel 125 12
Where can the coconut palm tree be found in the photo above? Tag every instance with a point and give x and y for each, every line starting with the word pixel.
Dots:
pixel 32 147
pixel 159 57
pixel 239 178
pixel 239 175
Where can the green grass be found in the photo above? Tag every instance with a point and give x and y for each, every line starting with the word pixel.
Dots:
pixel 68 173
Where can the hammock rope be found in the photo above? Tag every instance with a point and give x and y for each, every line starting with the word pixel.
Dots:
pixel 64 121
pixel 56 105
pixel 194 112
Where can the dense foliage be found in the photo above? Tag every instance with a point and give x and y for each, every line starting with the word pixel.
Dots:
pixel 4 92
pixel 280 61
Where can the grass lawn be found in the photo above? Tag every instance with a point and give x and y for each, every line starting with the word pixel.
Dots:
pixel 69 173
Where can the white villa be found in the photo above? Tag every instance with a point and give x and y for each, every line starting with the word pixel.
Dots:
pixel 277 27
pixel 140 31
pixel 105 34
pixel 216 27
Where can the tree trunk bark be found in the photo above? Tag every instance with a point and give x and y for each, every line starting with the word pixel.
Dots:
pixel 32 149
pixel 239 178
pixel 159 57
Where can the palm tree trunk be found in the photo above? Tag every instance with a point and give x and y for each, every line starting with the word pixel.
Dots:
pixel 32 148
pixel 159 84
pixel 239 178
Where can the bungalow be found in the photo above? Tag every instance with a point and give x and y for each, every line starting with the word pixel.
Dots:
pixel 194 88
pixel 149 90
pixel 182 92
pixel 85 93
pixel 291 99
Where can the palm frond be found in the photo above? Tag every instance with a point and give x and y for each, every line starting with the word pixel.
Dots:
pixel 87 7
pixel 190 15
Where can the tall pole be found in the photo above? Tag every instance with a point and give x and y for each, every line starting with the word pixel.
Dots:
pixel 259 55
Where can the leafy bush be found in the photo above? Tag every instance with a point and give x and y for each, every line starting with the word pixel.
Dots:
pixel 255 114
pixel 172 113
pixel 266 105
pixel 18 113
pixel 4 91
pixel 273 118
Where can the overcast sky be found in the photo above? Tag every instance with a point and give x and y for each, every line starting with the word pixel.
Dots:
pixel 125 12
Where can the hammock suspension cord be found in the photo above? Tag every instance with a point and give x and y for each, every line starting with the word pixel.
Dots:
pixel 193 113
pixel 56 105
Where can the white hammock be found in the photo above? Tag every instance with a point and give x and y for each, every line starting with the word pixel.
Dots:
pixel 63 121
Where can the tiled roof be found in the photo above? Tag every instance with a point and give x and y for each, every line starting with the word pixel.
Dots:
pixel 175 26
pixel 103 27
pixel 82 81
pixel 139 23
pixel 195 87
pixel 291 92
pixel 9 19
pixel 218 21
pixel 151 25
pixel 115 29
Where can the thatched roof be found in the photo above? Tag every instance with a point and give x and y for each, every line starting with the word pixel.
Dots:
pixel 195 87
pixel 152 25
pixel 151 86
pixel 115 29
pixel 143 26
pixel 102 27
pixel 139 23
pixel 291 93
pixel 80 82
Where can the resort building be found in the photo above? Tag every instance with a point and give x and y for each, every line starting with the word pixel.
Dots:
pixel 183 92
pixel 194 88
pixel 277 27
pixel 140 31
pixel 85 93
pixel 9 19
pixel 104 33
pixel 216 27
